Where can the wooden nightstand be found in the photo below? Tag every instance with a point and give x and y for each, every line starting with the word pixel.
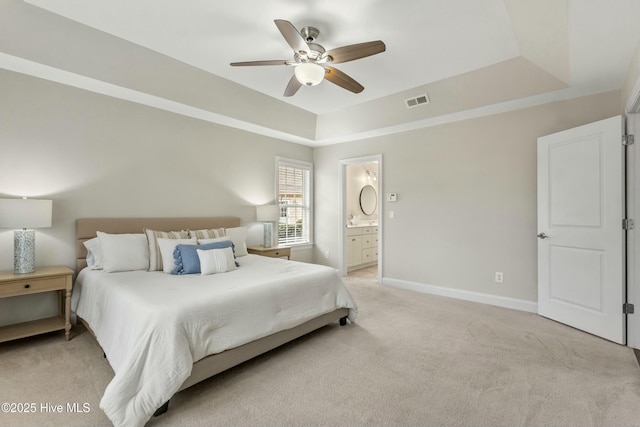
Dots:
pixel 273 252
pixel 44 279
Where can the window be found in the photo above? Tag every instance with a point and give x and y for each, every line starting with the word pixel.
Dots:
pixel 294 192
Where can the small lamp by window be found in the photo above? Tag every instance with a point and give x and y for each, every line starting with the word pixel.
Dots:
pixel 23 215
pixel 268 214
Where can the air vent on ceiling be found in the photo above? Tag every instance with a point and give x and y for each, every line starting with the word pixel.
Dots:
pixel 418 100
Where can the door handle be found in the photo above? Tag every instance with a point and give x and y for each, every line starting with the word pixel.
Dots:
pixel 542 236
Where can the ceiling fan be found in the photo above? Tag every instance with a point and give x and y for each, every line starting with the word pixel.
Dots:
pixel 312 61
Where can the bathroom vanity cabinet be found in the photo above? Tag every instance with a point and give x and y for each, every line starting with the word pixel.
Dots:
pixel 362 247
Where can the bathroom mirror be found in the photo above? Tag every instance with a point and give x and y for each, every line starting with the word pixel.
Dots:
pixel 368 199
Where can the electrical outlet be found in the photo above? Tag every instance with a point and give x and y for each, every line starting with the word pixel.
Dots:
pixel 327 254
pixel 499 277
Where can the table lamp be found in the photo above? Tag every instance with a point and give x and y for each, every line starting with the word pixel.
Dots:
pixel 23 215
pixel 268 214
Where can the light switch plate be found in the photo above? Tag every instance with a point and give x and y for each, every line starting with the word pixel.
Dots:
pixel 392 197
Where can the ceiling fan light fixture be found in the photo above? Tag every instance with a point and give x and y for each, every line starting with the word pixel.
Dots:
pixel 309 74
pixel 312 61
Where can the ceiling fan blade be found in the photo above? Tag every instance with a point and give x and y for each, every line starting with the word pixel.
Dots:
pixel 341 79
pixel 292 87
pixel 355 51
pixel 292 36
pixel 271 62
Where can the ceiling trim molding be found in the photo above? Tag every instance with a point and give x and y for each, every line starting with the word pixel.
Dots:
pixel 34 69
pixel 31 68
pixel 487 110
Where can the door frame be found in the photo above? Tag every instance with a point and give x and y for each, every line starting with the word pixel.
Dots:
pixel 633 243
pixel 342 265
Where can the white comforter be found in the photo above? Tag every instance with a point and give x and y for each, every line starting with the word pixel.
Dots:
pixel 153 326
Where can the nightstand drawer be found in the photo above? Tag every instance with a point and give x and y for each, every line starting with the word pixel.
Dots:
pixel 274 252
pixel 31 286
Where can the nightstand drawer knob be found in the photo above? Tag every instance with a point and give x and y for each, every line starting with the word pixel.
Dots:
pixel 277 253
pixel 27 286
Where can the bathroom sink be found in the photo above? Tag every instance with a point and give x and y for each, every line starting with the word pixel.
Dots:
pixel 364 224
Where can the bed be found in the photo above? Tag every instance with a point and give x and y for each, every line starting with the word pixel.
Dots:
pixel 160 340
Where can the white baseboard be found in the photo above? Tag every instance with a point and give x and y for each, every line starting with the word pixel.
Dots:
pixel 500 301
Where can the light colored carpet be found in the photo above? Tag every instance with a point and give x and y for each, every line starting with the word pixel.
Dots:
pixel 410 360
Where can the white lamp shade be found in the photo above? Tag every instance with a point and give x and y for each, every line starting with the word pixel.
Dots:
pixel 309 74
pixel 25 213
pixel 268 213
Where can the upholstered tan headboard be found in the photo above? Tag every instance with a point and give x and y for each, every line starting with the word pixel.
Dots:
pixel 86 228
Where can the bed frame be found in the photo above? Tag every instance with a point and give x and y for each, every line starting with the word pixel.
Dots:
pixel 211 365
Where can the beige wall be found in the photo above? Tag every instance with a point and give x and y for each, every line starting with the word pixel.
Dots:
pixel 97 156
pixel 632 80
pixel 466 190
pixel 466 197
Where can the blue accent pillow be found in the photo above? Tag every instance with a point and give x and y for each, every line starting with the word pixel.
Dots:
pixel 187 260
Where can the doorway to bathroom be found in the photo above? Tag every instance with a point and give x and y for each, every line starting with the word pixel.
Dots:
pixel 362 219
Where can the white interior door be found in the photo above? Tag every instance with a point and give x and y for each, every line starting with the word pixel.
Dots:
pixel 580 240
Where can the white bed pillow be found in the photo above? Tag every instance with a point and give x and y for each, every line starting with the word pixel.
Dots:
pixel 221 239
pixel 155 258
pixel 94 254
pixel 214 261
pixel 167 246
pixel 123 252
pixel 238 235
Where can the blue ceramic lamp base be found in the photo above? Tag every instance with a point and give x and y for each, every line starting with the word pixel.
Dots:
pixel 24 251
pixel 268 234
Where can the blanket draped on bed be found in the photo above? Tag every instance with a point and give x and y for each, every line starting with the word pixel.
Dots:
pixel 153 326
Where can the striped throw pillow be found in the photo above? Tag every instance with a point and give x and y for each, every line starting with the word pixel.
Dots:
pixel 211 233
pixel 155 256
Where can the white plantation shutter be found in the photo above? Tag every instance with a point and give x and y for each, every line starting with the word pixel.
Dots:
pixel 294 193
